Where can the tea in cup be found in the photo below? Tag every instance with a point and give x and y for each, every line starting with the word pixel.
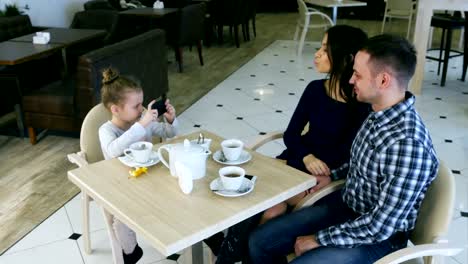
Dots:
pixel 139 151
pixel 232 177
pixel 232 149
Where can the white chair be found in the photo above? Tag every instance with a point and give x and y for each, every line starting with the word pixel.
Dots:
pixel 305 14
pixel 402 9
pixel 432 224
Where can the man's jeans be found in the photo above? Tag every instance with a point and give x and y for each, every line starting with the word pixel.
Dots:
pixel 271 242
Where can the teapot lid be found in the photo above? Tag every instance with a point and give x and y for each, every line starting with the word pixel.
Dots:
pixel 189 147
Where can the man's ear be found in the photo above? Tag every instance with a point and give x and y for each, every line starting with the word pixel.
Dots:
pixel 385 80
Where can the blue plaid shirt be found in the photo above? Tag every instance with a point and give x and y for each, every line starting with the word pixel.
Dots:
pixel 392 164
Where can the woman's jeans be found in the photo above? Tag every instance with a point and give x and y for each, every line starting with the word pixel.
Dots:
pixel 271 242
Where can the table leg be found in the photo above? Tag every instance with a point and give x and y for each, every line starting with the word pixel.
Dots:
pixel 197 253
pixel 335 13
pixel 64 59
pixel 423 22
pixel 19 119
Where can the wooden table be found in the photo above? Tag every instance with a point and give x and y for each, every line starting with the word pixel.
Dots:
pixel 65 37
pixel 12 52
pixel 334 4
pixel 425 11
pixel 150 12
pixel 154 206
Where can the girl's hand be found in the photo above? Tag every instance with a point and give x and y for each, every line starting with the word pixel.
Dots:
pixel 170 112
pixel 150 115
pixel 316 166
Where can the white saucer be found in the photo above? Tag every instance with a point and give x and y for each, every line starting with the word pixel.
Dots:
pixel 243 158
pixel 247 185
pixel 154 159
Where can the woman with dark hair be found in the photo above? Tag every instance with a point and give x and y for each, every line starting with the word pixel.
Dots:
pixel 333 116
pixel 330 110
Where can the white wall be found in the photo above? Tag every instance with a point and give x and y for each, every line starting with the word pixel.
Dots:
pixel 49 13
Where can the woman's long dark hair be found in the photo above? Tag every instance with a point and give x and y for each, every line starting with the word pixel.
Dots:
pixel 343 43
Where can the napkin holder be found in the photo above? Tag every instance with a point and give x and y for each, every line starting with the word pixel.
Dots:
pixel 185 177
pixel 158 5
pixel 41 38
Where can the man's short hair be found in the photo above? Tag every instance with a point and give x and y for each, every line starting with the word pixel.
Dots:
pixel 394 53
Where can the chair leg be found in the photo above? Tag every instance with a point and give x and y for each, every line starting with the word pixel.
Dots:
pixel 244 32
pixel 383 23
pixel 179 55
pixel 448 47
pixel 220 34
pixel 115 245
pixel 32 136
pixel 465 56
pixel 296 34
pixel 441 49
pixel 85 200
pixel 200 56
pixel 236 35
pixel 409 27
pixel 19 120
pixel 247 30
pixel 254 27
pixel 301 41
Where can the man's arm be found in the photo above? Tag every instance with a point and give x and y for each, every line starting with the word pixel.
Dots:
pixel 407 168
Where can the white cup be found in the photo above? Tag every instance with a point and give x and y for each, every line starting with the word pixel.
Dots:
pixel 232 177
pixel 139 151
pixel 232 149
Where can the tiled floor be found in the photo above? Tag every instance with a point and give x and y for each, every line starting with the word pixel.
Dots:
pixel 260 97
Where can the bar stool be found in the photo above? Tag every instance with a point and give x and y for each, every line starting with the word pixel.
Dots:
pixel 465 49
pixel 448 23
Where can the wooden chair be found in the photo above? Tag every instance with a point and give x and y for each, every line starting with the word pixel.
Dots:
pixel 90 152
pixel 433 220
pixel 305 14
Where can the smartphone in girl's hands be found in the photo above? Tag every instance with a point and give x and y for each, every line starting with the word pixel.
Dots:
pixel 160 106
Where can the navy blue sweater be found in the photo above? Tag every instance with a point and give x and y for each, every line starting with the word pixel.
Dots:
pixel 332 128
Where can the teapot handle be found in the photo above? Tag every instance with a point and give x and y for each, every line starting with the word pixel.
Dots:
pixel 161 158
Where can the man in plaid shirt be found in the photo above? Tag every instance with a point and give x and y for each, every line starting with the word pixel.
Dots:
pixel 392 164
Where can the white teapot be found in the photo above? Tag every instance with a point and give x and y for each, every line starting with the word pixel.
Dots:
pixel 191 155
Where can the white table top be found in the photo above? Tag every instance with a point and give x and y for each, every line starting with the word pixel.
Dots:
pixel 335 3
pixel 154 206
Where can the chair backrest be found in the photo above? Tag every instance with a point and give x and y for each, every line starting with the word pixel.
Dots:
pixel 399 6
pixel 98 4
pixel 191 27
pixel 15 26
pixel 105 19
pixel 302 9
pixel 436 209
pixel 89 138
pixel 143 57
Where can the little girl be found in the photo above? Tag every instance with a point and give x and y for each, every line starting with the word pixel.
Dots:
pixel 124 98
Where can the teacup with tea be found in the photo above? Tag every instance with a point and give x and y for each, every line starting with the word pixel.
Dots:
pixel 139 151
pixel 232 149
pixel 232 177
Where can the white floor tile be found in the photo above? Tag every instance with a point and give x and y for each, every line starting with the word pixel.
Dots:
pixel 59 252
pixel 74 211
pixel 55 228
